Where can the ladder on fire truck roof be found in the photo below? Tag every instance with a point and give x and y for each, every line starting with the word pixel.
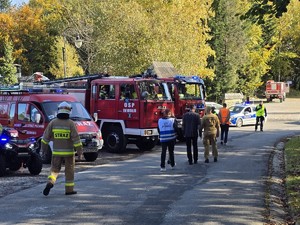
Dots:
pixel 67 79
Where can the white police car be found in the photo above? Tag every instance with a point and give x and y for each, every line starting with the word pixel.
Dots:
pixel 242 114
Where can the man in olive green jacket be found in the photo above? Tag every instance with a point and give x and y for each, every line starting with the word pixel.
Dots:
pixel 210 124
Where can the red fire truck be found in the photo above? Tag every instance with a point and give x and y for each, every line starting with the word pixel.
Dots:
pixel 186 91
pixel 30 111
pixel 126 109
pixel 276 90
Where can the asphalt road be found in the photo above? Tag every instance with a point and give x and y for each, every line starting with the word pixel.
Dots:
pixel 135 192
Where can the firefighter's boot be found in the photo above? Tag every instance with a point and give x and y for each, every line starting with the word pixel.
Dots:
pixel 47 188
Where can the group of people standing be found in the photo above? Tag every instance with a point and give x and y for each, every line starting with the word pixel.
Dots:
pixel 193 127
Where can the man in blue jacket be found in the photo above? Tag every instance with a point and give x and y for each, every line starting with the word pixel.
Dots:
pixel 167 127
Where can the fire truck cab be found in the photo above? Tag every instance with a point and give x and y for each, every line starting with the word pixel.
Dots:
pixel 30 111
pixel 126 109
pixel 186 91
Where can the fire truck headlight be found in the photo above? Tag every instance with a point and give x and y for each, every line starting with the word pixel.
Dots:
pixel 31 147
pixel 148 132
pixel 8 146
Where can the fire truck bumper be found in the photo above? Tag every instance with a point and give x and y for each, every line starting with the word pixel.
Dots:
pixel 92 146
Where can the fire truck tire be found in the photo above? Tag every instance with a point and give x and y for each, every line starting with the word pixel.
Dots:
pixel 15 164
pixel 146 145
pixel 114 140
pixel 90 157
pixel 281 100
pixel 35 164
pixel 2 165
pixel 239 122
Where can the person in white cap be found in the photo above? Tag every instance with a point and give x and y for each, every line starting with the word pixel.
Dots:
pixel 63 133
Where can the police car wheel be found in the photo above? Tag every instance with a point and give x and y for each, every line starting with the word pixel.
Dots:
pixel 239 122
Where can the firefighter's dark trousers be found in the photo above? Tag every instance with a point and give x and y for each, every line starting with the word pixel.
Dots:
pixel 207 140
pixel 56 164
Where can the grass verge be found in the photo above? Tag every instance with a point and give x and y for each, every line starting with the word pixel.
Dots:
pixel 292 167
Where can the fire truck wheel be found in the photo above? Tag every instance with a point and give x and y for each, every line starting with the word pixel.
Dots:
pixel 15 164
pixel 146 145
pixel 90 157
pixel 115 140
pixel 239 122
pixel 2 165
pixel 35 164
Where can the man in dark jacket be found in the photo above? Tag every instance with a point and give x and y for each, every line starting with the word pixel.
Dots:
pixel 191 125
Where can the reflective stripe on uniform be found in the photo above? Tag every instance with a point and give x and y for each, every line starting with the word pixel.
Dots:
pixel 44 141
pixel 77 144
pixel 61 133
pixel 63 153
pixel 51 177
pixel 70 184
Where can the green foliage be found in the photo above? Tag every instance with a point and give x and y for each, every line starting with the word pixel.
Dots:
pixel 72 61
pixel 263 9
pixel 7 68
pixel 126 41
pixel 292 156
pixel 230 42
pixel 4 5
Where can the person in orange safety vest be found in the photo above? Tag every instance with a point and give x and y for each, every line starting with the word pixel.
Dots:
pixel 224 117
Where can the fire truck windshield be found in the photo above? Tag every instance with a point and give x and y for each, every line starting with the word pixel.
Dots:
pixel 154 90
pixel 191 91
pixel 78 112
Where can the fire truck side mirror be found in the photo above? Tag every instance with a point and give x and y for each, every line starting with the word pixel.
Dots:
pixel 95 116
pixel 38 118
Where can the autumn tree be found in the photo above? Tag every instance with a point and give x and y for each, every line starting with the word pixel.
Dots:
pixel 286 57
pixel 7 68
pixel 127 40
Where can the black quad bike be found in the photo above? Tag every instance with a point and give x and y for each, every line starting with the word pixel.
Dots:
pixel 15 153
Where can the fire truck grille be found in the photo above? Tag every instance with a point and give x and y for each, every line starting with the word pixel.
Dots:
pixel 86 136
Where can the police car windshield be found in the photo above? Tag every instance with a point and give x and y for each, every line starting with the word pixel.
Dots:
pixel 236 109
pixel 78 111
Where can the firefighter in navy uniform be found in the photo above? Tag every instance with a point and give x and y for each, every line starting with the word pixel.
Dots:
pixel 62 131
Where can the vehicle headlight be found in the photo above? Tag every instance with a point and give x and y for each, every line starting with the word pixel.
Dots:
pixel 8 146
pixel 31 146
